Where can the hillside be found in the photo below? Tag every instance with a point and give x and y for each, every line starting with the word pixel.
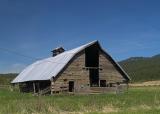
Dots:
pixel 5 79
pixel 142 68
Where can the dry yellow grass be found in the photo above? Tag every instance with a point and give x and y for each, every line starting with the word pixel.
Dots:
pixel 148 83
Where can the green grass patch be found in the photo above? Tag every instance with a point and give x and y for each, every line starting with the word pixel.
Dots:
pixel 143 100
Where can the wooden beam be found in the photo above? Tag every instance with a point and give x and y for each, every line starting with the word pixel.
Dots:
pixel 38 87
pixel 51 88
pixel 34 87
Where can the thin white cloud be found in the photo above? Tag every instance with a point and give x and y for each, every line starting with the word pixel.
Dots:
pixel 14 68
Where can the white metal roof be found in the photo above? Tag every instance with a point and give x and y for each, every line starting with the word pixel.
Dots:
pixel 47 68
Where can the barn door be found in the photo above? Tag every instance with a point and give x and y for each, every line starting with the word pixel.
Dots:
pixel 71 86
pixel 94 77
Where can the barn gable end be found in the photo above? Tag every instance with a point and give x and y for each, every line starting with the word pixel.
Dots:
pixel 78 73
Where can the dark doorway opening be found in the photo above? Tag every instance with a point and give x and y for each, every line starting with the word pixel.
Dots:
pixel 103 83
pixel 92 56
pixel 94 77
pixel 44 84
pixel 35 86
pixel 71 86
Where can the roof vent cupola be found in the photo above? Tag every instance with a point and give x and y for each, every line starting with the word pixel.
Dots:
pixel 57 51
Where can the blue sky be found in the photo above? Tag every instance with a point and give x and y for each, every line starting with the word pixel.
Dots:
pixel 125 28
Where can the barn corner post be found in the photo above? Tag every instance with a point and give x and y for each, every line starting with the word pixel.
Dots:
pixel 39 90
pixel 18 87
pixel 127 86
pixel 34 88
pixel 51 86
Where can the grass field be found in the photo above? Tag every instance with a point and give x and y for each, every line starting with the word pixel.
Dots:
pixel 140 100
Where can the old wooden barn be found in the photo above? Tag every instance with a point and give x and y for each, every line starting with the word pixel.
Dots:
pixel 85 69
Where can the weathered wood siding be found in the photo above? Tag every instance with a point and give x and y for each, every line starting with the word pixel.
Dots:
pixel 109 71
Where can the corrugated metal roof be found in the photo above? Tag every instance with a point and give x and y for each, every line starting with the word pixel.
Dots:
pixel 47 68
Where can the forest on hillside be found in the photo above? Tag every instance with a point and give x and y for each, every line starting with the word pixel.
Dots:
pixel 5 79
pixel 142 68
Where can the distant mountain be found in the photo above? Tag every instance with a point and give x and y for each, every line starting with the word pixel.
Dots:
pixel 142 68
pixel 156 56
pixel 5 79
